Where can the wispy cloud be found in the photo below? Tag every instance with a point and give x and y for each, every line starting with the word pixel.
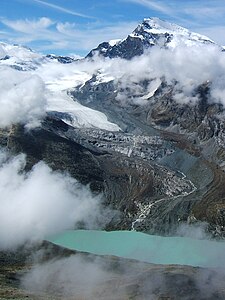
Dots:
pixel 171 11
pixel 66 36
pixel 62 9
pixel 155 5
pixel 206 12
pixel 199 11
pixel 28 26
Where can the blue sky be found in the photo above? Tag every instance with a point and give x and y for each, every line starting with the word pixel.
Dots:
pixel 76 26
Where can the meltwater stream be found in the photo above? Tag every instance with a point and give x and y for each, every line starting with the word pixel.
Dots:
pixel 144 247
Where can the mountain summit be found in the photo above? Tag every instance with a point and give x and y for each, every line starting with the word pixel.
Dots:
pixel 151 32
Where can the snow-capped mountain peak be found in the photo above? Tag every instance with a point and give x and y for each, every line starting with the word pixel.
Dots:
pixel 155 26
pixel 156 23
pixel 151 32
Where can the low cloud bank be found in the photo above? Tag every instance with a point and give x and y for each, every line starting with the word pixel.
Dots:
pixel 187 66
pixel 22 97
pixel 36 204
pixel 196 231
pixel 68 277
pixel 78 277
pixel 111 278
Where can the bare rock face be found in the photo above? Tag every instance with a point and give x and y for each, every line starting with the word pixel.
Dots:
pixel 137 174
pixel 197 128
pixel 113 164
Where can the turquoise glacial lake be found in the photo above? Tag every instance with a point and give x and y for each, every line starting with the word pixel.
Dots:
pixel 144 247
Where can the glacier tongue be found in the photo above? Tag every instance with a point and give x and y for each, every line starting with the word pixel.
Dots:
pixel 59 79
pixel 77 115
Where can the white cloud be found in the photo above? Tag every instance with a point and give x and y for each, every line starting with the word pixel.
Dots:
pixel 41 202
pixel 93 36
pixel 189 65
pixel 22 98
pixel 69 277
pixel 83 277
pixel 73 277
pixel 201 12
pixel 28 26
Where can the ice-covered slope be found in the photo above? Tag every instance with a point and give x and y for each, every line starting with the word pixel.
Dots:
pixel 150 28
pixel 19 57
pixel 59 79
pixel 17 52
pixel 77 115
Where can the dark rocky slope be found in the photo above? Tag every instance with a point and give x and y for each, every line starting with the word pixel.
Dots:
pixel 139 181
pixel 124 279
